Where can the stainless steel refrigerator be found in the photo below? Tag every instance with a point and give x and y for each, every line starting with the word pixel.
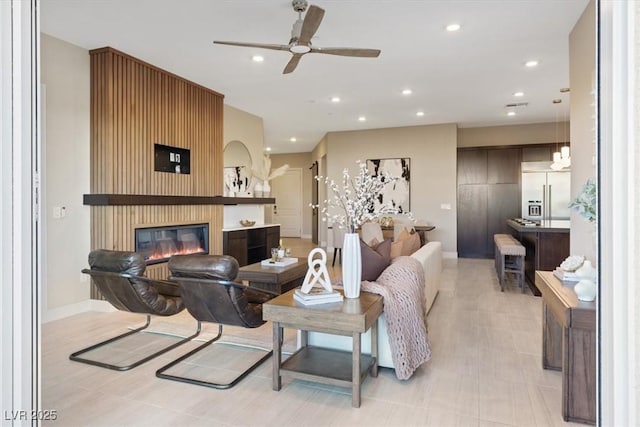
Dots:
pixel 545 193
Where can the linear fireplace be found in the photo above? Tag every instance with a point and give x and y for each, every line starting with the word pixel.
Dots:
pixel 158 244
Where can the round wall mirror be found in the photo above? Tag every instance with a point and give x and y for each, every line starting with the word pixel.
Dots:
pixel 237 168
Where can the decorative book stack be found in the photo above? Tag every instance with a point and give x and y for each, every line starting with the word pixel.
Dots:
pixel 566 276
pixel 317 295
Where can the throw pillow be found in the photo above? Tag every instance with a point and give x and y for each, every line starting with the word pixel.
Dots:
pixel 374 259
pixel 411 244
pixel 404 234
pixel 373 242
pixel 396 249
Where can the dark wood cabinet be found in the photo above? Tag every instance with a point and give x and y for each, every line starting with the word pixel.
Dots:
pixel 472 238
pixel 250 245
pixel 472 166
pixel 503 202
pixel 234 243
pixel 273 238
pixel 489 193
pixel 503 166
pixel 537 153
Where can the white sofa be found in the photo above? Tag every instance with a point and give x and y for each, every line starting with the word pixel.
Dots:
pixel 430 256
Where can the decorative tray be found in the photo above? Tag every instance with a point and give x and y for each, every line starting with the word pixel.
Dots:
pixel 282 263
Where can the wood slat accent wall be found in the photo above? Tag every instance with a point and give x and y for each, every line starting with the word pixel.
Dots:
pixel 133 106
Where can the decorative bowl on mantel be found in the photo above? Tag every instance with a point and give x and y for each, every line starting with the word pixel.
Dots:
pixel 247 223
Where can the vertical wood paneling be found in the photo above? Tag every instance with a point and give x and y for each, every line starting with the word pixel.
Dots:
pixel 133 106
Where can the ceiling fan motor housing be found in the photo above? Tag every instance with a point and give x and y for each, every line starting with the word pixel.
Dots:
pixel 299 5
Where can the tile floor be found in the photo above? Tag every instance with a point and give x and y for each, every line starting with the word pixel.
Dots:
pixel 485 371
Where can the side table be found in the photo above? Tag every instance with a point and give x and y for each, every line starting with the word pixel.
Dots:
pixel 351 317
pixel 569 344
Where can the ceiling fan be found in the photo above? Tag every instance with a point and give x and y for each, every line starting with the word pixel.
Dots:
pixel 301 34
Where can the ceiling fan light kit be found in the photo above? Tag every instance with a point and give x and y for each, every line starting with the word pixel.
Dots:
pixel 301 34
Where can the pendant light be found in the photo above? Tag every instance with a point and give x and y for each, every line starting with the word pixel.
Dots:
pixel 557 155
pixel 565 151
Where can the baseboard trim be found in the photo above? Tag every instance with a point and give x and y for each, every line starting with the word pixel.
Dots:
pixel 450 255
pixel 77 308
pixel 306 236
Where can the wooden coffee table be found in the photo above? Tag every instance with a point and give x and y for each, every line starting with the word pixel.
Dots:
pixel 351 317
pixel 274 279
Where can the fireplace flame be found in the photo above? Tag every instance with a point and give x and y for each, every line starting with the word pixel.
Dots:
pixel 168 254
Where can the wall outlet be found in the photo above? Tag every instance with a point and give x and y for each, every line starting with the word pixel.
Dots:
pixel 445 206
pixel 59 212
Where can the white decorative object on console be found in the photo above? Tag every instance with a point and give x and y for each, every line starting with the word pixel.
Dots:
pixel 317 273
pixel 586 288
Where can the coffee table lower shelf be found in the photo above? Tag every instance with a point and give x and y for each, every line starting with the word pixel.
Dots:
pixel 324 365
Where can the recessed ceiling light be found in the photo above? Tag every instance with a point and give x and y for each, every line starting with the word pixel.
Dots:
pixel 293 139
pixel 532 63
pixel 407 92
pixel 420 113
pixel 518 94
pixel 267 149
pixel 453 27
pixel 511 113
pixel 257 58
pixel 362 119
pixel 335 99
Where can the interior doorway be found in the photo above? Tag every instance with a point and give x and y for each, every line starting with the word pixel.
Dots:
pixel 287 211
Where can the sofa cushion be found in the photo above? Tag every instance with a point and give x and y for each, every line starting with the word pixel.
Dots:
pixel 411 244
pixel 374 259
pixel 396 249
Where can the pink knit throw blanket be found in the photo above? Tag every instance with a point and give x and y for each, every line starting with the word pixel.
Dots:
pixel 402 288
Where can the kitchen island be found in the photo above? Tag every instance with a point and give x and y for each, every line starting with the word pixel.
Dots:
pixel 546 244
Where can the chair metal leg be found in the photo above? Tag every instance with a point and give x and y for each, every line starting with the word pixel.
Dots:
pixel 160 373
pixel 76 356
pixel 335 252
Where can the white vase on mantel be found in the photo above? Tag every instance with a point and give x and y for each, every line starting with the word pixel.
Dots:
pixel 258 189
pixel 351 265
pixel 266 189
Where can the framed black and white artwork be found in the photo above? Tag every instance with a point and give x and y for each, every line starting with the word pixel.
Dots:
pixel 236 179
pixel 397 193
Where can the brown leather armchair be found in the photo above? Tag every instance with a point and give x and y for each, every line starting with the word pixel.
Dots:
pixel 211 295
pixel 119 276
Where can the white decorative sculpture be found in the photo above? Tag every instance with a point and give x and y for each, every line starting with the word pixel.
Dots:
pixel 317 273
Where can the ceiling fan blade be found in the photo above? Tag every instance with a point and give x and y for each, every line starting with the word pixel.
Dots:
pixel 312 20
pixel 259 45
pixel 293 63
pixel 347 51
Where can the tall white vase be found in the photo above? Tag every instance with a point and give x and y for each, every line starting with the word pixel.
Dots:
pixel 258 189
pixel 266 189
pixel 351 265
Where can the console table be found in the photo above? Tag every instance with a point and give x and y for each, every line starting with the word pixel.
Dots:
pixel 569 345
pixel 351 317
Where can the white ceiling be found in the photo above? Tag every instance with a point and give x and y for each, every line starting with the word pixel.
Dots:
pixel 465 77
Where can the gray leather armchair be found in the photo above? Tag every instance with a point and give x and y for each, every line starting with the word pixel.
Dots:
pixel 119 276
pixel 211 295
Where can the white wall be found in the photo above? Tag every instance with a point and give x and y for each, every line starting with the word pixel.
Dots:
pixel 582 48
pixel 432 150
pixel 65 76
pixel 487 136
pixel 246 128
